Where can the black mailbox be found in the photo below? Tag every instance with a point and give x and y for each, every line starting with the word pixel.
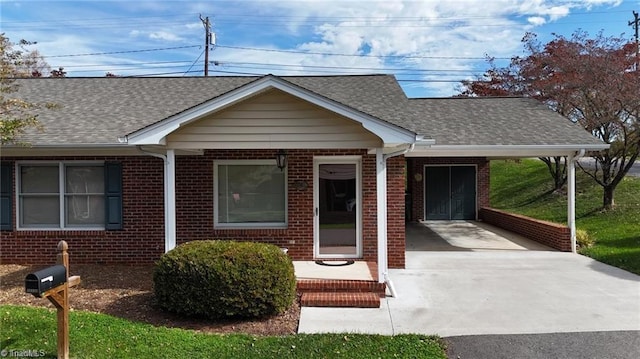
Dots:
pixel 41 281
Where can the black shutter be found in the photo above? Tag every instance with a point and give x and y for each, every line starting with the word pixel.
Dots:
pixel 113 195
pixel 6 186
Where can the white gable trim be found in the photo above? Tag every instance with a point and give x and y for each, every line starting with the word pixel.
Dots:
pixel 156 133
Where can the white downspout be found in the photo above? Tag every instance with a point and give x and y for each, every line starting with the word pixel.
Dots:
pixel 571 194
pixel 170 240
pixel 169 230
pixel 381 189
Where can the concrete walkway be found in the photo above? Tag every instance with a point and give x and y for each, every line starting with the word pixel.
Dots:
pixel 466 292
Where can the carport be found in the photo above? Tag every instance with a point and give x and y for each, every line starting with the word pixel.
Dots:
pixel 450 179
pixel 468 236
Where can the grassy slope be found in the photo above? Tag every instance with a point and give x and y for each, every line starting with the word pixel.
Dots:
pixel 525 188
pixel 102 336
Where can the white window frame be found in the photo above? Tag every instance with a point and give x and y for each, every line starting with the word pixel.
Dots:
pixel 61 194
pixel 263 225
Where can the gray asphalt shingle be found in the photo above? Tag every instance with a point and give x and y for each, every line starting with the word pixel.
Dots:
pixel 99 110
pixel 492 121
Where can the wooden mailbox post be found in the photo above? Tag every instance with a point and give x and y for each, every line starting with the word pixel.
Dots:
pixel 58 295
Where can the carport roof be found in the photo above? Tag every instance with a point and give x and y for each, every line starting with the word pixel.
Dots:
pixel 492 121
pixel 99 111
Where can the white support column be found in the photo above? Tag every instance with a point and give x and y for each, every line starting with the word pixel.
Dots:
pixel 571 200
pixel 381 193
pixel 170 198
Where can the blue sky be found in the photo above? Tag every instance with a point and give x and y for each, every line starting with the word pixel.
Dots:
pixel 429 45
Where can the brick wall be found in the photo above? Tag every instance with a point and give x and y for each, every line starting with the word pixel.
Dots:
pixel 395 211
pixel 142 239
pixel 415 165
pixel 554 235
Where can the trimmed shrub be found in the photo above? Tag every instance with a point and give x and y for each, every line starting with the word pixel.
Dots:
pixel 222 279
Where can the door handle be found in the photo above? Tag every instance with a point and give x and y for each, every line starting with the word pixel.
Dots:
pixel 316 211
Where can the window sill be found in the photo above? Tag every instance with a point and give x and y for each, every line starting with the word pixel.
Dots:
pixel 219 226
pixel 54 229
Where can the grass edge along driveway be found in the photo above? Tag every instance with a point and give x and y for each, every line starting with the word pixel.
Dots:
pixel 96 335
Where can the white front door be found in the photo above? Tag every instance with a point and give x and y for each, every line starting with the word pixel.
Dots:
pixel 337 207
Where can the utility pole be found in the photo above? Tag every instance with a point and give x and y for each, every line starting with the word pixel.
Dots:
pixel 207 42
pixel 635 23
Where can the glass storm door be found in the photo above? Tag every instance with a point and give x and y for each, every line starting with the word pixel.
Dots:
pixel 337 208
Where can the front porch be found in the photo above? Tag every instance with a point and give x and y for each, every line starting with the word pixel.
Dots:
pixel 343 283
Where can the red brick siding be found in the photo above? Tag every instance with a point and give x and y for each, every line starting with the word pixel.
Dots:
pixel 142 239
pixel 194 202
pixel 395 212
pixel 415 165
pixel 550 234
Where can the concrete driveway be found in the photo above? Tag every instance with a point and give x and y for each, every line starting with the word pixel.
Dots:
pixel 493 291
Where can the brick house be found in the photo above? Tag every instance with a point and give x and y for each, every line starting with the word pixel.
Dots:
pixel 127 168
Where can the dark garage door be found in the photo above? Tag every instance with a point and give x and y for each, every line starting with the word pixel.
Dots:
pixel 450 192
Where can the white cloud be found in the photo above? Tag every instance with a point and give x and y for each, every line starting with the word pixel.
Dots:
pixel 536 20
pixel 431 35
pixel 557 12
pixel 427 32
pixel 165 36
pixel 431 39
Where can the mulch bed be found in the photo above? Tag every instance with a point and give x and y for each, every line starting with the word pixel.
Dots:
pixel 127 292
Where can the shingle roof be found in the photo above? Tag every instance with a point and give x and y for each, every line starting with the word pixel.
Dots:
pixel 97 111
pixel 492 121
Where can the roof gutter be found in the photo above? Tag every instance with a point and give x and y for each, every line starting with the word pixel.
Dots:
pixel 399 153
pixel 570 147
pixel 502 150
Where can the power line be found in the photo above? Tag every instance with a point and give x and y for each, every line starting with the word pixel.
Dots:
pixel 285 18
pixel 162 74
pixel 124 52
pixel 106 68
pixel 241 64
pixel 360 55
pixel 309 69
pixel 195 62
pixel 130 64
pixel 399 80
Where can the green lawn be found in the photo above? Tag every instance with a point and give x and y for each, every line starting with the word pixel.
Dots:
pixel 102 336
pixel 524 187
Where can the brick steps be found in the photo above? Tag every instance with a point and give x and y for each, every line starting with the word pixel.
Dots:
pixel 340 293
pixel 340 299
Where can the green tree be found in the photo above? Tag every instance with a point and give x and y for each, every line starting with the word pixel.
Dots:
pixel 17 115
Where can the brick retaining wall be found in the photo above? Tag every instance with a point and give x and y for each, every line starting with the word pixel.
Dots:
pixel 554 235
